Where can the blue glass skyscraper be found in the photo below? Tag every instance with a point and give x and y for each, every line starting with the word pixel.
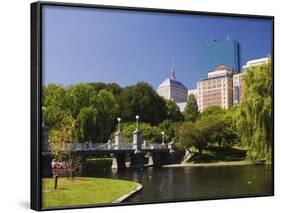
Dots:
pixel 216 52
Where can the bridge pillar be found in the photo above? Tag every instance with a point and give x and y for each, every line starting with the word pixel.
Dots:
pixel 150 160
pixel 118 161
pixel 156 158
pixel 171 146
pixel 137 160
pixel 137 141
pixel 118 139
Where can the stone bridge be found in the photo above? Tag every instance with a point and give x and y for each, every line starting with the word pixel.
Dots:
pixel 121 151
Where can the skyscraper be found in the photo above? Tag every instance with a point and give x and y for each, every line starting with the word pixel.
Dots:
pixel 216 52
pixel 216 90
pixel 172 89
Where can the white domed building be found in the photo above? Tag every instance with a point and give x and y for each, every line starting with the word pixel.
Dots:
pixel 172 89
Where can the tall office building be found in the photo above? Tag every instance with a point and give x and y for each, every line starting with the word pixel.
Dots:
pixel 216 90
pixel 172 89
pixel 237 88
pixel 215 52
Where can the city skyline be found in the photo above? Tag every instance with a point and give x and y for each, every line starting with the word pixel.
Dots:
pixel 98 51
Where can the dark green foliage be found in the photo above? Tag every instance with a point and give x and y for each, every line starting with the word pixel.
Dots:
pixel 219 154
pixel 114 88
pixel 87 124
pixel 188 135
pixel 169 128
pixel 152 134
pixel 141 99
pixel 107 111
pixel 215 127
pixel 173 111
pixel 79 96
pixel 191 109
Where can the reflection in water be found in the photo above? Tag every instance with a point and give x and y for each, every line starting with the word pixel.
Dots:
pixel 191 182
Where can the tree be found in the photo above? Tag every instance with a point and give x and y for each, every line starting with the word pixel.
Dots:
pixel 141 99
pixel 169 127
pixel 191 109
pixel 55 101
pixel 188 136
pixel 212 110
pixel 87 124
pixel 230 135
pixel 62 138
pixel 79 96
pixel 152 134
pixel 107 111
pixel 255 112
pixel 205 127
pixel 173 111
pixel 217 127
pixel 114 88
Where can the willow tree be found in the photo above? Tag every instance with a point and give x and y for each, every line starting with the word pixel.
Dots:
pixel 255 112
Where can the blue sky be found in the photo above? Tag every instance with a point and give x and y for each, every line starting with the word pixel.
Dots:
pixel 93 45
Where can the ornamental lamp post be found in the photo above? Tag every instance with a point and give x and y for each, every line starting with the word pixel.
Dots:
pixel 119 120
pixel 137 121
pixel 162 137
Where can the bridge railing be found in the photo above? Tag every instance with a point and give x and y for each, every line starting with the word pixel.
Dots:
pixel 122 146
pixel 106 146
pixel 154 146
pixel 101 146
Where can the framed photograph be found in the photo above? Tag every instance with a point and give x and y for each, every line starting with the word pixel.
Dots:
pixel 139 105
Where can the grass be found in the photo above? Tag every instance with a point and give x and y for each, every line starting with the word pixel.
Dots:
pixel 83 191
pixel 219 155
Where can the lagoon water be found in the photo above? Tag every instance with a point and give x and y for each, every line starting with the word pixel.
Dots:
pixel 183 183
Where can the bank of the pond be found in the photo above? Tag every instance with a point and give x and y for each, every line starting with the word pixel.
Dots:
pixel 85 191
pixel 229 163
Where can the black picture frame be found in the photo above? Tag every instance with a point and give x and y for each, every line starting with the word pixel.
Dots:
pixel 36 96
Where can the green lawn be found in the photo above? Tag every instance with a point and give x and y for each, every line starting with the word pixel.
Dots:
pixel 219 154
pixel 83 191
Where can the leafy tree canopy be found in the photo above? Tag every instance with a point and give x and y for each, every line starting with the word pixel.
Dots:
pixel 141 99
pixel 152 134
pixel 191 109
pixel 254 120
pixel 173 111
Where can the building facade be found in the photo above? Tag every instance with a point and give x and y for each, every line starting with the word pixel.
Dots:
pixel 171 89
pixel 216 90
pixel 255 62
pixel 238 78
pixel 237 87
pixel 215 52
